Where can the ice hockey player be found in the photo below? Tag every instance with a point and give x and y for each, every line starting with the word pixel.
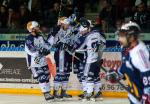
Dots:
pixel 135 67
pixel 36 50
pixel 79 62
pixel 93 45
pixel 61 38
pixel 76 40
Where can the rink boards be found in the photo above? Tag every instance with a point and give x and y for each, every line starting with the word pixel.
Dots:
pixel 15 78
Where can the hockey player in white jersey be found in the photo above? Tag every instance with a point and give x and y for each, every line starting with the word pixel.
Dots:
pixel 60 38
pixel 135 67
pixel 36 50
pixel 93 45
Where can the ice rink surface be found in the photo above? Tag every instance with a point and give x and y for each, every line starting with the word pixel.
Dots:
pixel 33 99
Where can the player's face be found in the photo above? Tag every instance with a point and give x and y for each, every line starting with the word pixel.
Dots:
pixel 83 32
pixel 141 7
pixel 122 39
pixel 65 26
pixel 35 31
pixel 37 28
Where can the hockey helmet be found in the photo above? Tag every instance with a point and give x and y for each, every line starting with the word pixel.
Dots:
pixel 63 20
pixel 85 24
pixel 130 28
pixel 31 25
pixel 72 18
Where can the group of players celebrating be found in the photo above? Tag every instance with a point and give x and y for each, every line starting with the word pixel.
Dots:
pixel 79 48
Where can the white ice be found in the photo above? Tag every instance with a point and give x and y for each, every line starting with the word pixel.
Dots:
pixel 34 99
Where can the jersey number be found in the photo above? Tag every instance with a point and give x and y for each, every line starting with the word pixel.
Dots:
pixel 95 46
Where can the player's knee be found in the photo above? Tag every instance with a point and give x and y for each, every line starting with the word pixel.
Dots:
pixel 68 74
pixel 75 71
pixel 57 78
pixel 65 78
pixel 43 78
pixel 78 76
pixel 81 67
pixel 40 72
pixel 83 78
pixel 81 74
pixel 90 79
pixel 90 76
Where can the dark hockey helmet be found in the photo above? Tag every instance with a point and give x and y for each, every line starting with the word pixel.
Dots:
pixel 84 22
pixel 130 29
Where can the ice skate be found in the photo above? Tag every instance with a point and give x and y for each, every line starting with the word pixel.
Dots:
pixel 48 97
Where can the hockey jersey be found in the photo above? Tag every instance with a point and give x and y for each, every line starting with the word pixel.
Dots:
pixel 33 44
pixel 94 44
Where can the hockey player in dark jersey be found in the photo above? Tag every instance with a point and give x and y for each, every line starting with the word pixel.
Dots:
pixel 135 67
pixel 37 50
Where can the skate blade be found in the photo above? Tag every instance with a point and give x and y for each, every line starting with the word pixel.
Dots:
pixel 48 101
pixel 93 99
pixel 58 99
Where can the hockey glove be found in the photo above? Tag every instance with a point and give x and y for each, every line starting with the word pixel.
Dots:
pixel 65 46
pixel 112 76
pixel 44 52
pixel 146 96
pixel 37 60
pixel 145 99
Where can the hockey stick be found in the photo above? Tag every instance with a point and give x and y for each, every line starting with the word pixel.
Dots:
pixel 73 55
pixel 121 84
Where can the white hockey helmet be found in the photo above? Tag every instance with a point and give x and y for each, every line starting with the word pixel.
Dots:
pixel 31 25
pixel 63 20
pixel 131 28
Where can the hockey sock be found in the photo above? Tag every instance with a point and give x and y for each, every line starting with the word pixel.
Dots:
pixel 64 85
pixel 84 87
pixel 57 85
pixel 97 87
pixel 45 87
pixel 90 87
